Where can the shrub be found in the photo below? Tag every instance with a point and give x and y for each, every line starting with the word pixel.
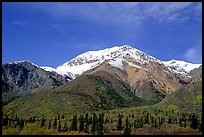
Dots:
pixel 10 131
pixel 33 129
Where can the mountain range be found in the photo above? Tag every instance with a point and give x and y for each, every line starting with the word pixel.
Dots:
pixel 120 76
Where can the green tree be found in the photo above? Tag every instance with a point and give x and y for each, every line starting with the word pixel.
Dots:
pixel 155 123
pixel 65 128
pixel 94 123
pixel 169 120
pixel 127 129
pixel 42 122
pixel 55 123
pixel 100 124
pixel 58 117
pixel 49 124
pixel 21 123
pixel 5 121
pixel 74 123
pixel 194 121
pixel 86 122
pixel 59 125
pixel 119 124
pixel 33 119
pixel 81 123
pixel 90 120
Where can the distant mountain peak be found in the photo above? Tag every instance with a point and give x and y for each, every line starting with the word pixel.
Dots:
pixel 22 61
pixel 179 66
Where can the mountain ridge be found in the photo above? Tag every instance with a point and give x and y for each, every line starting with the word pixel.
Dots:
pixel 90 59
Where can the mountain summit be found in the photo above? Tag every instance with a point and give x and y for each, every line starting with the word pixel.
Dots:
pixel 115 56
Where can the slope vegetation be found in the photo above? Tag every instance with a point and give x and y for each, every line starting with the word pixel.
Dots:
pixel 85 93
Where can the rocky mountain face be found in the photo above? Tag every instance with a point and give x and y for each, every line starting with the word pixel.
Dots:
pixel 149 78
pixel 22 77
pixel 196 74
pixel 187 97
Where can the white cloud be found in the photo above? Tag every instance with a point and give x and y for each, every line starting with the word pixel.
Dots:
pixel 194 55
pixel 128 12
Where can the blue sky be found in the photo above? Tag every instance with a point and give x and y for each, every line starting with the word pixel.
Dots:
pixel 49 34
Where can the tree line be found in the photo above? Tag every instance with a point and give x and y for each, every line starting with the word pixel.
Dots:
pixel 93 124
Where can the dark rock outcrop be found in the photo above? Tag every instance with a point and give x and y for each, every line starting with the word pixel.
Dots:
pixel 23 78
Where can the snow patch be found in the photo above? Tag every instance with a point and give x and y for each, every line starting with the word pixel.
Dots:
pixel 134 65
pixel 22 61
pixel 116 63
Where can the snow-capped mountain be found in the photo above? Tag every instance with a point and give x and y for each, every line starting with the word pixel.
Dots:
pixel 180 67
pixel 115 56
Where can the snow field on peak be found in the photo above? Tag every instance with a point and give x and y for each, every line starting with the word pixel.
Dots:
pixel 50 69
pixel 178 65
pixel 114 55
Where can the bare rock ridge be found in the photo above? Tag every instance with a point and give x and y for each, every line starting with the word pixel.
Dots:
pixel 21 78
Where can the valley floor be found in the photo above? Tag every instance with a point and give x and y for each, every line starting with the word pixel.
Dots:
pixel 134 120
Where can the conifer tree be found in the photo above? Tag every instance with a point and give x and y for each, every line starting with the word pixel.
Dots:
pixel 184 125
pixel 42 122
pixel 9 122
pixel 90 120
pixel 119 124
pixel 94 123
pixel 100 124
pixel 49 124
pixel 194 121
pixel 33 119
pixel 169 120
pixel 18 122
pixel 81 123
pixel 155 123
pixel 180 123
pixel 5 121
pixel 152 120
pixel 127 129
pixel 65 128
pixel 16 117
pixel 133 116
pixel 141 123
pixel 21 123
pixel 59 126
pixel 86 122
pixel 55 123
pixel 135 124
pixel 30 120
pixel 74 123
